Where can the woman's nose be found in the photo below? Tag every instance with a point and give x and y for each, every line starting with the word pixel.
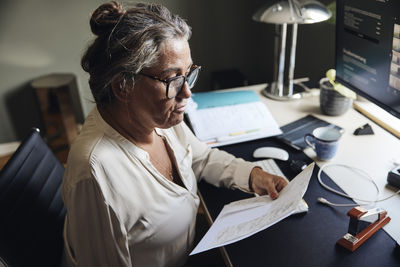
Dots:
pixel 185 92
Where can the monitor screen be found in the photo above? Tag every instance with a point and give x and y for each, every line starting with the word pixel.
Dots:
pixel 368 50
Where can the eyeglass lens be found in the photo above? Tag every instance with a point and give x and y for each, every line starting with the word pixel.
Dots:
pixel 176 85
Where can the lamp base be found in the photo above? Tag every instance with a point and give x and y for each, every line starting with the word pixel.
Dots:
pixel 299 91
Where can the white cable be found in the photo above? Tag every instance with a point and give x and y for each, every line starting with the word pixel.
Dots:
pixel 326 202
pixel 366 176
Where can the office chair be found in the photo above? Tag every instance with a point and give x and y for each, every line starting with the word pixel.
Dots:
pixel 31 209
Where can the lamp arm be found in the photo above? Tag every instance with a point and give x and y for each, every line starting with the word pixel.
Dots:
pixel 292 58
pixel 295 7
pixel 281 64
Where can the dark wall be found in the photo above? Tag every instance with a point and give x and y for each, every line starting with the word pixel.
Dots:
pixel 225 37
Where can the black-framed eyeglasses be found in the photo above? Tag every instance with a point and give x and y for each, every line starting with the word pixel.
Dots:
pixel 175 84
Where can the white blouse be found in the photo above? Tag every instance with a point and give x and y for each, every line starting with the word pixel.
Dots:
pixel 121 211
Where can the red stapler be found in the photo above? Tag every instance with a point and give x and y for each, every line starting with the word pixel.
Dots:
pixel 363 224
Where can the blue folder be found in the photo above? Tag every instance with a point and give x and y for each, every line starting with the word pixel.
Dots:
pixel 219 99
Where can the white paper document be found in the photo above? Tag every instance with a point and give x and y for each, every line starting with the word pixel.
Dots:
pixel 233 124
pixel 241 219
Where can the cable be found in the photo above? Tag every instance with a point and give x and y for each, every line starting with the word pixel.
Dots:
pixel 326 202
pixel 365 176
pixel 344 194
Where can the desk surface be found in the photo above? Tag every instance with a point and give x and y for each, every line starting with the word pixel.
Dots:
pixel 302 239
pixel 375 154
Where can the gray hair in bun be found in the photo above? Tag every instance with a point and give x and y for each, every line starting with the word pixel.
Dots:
pixel 127 41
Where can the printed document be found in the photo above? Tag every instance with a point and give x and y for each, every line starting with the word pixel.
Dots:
pixel 222 118
pixel 241 219
pixel 248 118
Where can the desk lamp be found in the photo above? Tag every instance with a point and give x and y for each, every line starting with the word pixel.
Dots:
pixel 282 13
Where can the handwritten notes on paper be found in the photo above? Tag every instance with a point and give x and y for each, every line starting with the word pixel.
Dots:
pixel 221 118
pixel 244 218
pixel 223 121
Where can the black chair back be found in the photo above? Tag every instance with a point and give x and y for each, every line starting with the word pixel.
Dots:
pixel 31 208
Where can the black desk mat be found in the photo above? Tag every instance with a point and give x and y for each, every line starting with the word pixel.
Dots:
pixel 307 239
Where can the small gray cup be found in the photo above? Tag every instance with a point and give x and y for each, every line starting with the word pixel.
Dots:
pixel 331 102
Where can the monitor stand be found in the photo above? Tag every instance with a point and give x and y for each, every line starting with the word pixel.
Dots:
pixel 379 116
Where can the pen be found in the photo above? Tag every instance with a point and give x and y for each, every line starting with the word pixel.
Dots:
pixel 237 135
pixel 244 132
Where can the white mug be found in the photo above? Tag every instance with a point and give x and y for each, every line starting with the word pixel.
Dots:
pixel 324 141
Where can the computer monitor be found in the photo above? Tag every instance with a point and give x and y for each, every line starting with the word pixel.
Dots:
pixel 368 50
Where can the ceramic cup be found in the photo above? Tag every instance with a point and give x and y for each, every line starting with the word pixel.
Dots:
pixel 331 102
pixel 324 141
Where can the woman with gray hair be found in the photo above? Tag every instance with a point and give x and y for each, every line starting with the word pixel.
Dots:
pixel 131 178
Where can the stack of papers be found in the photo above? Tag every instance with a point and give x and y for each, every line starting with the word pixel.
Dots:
pixel 244 218
pixel 222 118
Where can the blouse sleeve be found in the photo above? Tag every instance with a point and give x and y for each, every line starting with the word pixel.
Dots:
pixel 94 236
pixel 218 167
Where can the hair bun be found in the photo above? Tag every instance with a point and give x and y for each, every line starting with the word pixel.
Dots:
pixel 105 17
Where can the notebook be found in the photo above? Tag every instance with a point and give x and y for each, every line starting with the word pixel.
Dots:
pixel 222 118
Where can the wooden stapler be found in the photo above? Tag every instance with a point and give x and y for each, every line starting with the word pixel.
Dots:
pixel 363 224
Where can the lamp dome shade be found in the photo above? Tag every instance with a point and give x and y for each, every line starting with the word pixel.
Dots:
pixel 292 11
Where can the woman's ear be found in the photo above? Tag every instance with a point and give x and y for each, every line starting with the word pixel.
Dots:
pixel 120 88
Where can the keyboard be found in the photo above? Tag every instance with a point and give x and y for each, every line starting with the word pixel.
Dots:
pixel 269 165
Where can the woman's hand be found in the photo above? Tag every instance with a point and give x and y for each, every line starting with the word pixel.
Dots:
pixel 262 183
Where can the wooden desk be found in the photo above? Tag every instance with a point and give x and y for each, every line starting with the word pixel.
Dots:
pixel 3 160
pixel 6 151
